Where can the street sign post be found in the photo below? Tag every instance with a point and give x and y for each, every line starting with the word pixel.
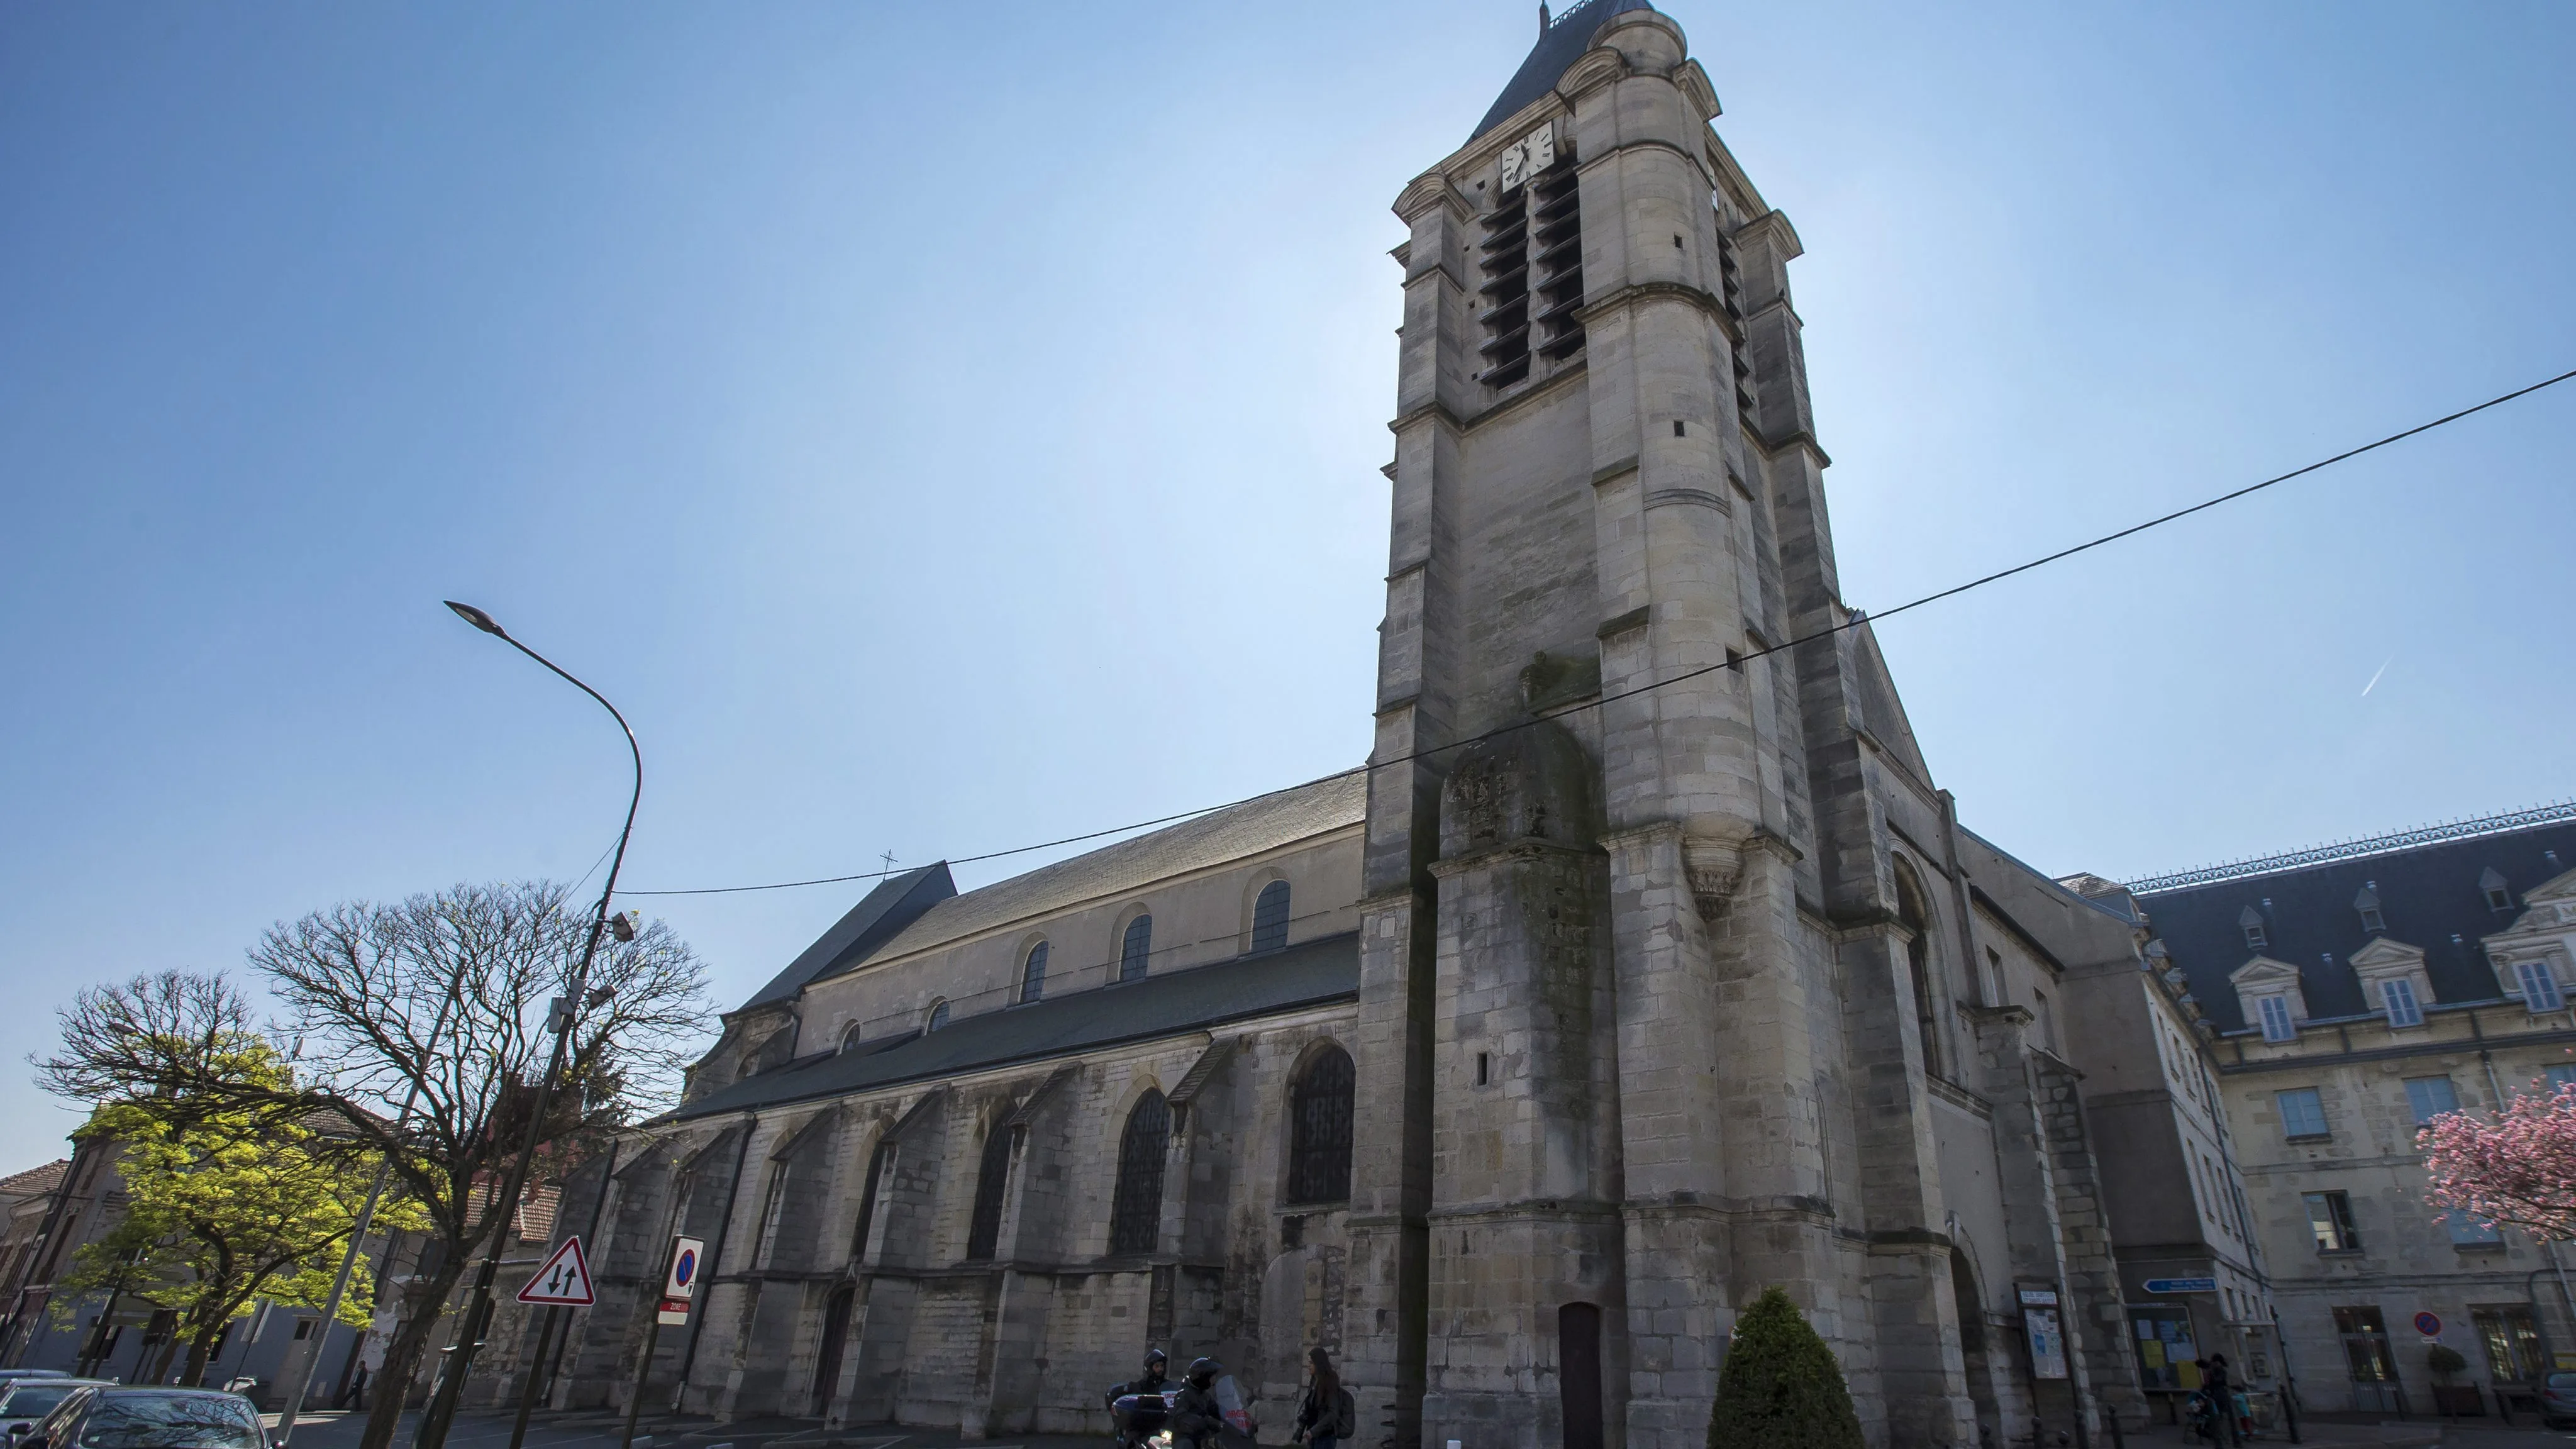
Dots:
pixel 682 1283
pixel 2182 1285
pixel 564 1280
pixel 2429 1325
pixel 678 1284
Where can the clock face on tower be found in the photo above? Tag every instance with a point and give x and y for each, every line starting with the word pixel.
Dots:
pixel 1530 154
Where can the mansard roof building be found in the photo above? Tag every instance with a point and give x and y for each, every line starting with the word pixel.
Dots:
pixel 1643 965
pixel 2353 993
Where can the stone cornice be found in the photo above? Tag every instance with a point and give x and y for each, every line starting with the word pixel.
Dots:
pixel 1435 409
pixel 1696 297
pixel 1773 227
pixel 1652 832
pixel 1697 89
pixel 1649 143
pixel 1598 67
pixel 1959 1096
pixel 1787 443
pixel 1615 471
pixel 1544 1209
pixel 1524 848
pixel 1404 898
pixel 1531 394
pixel 1428 190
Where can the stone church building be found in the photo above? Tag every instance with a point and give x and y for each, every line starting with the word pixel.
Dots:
pixel 1638 969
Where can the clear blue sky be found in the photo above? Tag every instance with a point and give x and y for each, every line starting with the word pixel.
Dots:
pixel 944 427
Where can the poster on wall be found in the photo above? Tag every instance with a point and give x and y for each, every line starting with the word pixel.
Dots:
pixel 2047 1343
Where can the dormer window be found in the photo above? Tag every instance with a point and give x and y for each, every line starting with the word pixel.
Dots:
pixel 938 1016
pixel 2397 998
pixel 2492 886
pixel 2251 922
pixel 2275 1013
pixel 2538 986
pixel 2366 901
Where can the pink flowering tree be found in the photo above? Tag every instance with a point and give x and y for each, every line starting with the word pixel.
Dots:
pixel 2516 1168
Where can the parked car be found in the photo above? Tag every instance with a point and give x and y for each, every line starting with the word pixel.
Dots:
pixel 2558 1400
pixel 114 1417
pixel 24 1401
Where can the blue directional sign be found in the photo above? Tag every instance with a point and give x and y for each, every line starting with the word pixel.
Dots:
pixel 2182 1285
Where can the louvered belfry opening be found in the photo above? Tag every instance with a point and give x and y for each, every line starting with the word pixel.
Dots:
pixel 1556 260
pixel 1731 284
pixel 1529 264
pixel 1502 261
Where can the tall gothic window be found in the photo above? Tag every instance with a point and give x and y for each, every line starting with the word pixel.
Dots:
pixel 1319 1129
pixel 1270 917
pixel 984 1231
pixel 1136 1210
pixel 1917 919
pixel 1033 974
pixel 868 1200
pixel 1135 948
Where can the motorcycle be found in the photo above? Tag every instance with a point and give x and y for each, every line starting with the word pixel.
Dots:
pixel 1144 1420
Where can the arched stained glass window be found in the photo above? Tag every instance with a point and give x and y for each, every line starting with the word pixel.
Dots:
pixel 984 1230
pixel 1270 917
pixel 1033 975
pixel 1319 1129
pixel 1136 1210
pixel 1135 948
pixel 938 1016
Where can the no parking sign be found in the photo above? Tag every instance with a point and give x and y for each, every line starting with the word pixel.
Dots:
pixel 686 1254
pixel 2429 1324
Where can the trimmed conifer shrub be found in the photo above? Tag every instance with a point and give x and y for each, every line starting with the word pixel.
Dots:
pixel 1781 1388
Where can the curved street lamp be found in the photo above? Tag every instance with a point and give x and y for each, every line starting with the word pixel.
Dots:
pixel 478 1308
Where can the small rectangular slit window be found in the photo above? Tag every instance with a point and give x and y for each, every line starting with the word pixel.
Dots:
pixel 1484 1069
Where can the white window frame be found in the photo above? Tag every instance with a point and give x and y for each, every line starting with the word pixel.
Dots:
pixel 2276 1021
pixel 2397 998
pixel 2538 984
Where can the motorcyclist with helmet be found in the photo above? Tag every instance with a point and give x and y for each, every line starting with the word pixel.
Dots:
pixel 1149 1383
pixel 1196 1419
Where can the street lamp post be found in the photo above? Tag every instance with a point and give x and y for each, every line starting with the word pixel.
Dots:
pixel 478 1307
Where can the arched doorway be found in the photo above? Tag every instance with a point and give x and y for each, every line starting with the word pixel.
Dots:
pixel 836 1338
pixel 1578 1374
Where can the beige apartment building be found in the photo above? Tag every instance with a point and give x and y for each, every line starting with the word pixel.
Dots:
pixel 2353 993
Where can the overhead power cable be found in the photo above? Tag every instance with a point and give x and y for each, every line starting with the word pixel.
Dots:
pixel 1856 620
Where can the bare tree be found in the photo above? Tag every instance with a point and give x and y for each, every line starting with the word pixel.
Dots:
pixel 440 1003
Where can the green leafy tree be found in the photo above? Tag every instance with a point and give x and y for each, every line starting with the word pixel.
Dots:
pixel 1781 1388
pixel 223 1209
pixel 425 1025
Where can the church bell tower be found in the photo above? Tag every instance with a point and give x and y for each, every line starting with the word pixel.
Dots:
pixel 1592 1023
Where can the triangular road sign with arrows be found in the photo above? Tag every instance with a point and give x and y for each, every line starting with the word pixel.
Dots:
pixel 564 1280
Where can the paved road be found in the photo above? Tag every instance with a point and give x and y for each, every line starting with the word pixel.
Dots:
pixel 597 1430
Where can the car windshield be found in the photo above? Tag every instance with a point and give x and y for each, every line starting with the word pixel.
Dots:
pixel 2562 1381
pixel 32 1398
pixel 171 1421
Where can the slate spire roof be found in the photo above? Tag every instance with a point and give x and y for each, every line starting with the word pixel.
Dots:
pixel 1561 42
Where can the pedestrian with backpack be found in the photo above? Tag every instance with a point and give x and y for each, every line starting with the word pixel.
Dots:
pixel 1327 1416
